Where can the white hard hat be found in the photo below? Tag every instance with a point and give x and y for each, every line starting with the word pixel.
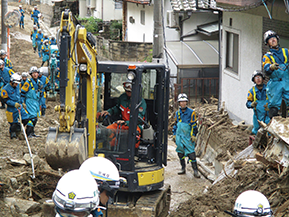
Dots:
pixel 39 30
pixel 252 203
pixel 269 34
pixel 257 72
pixel 77 192
pixel 46 41
pixel 33 69
pixel 1 62
pixel 15 78
pixel 104 172
pixel 24 74
pixel 35 6
pixel 20 6
pixel 182 97
pixel 2 52
pixel 34 26
pixel 127 85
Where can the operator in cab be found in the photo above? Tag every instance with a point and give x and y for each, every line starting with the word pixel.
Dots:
pixel 123 107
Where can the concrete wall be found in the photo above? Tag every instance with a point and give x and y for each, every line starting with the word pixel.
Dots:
pixel 136 32
pixel 235 87
pixel 123 51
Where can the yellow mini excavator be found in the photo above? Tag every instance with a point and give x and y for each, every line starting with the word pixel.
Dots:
pixel 88 87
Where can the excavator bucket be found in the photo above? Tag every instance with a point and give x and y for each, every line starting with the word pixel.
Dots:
pixel 51 96
pixel 66 150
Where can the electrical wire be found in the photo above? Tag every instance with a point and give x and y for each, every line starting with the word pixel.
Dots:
pixel 267 9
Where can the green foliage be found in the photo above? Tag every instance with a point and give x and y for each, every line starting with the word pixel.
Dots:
pixel 115 30
pixel 91 24
pixel 149 57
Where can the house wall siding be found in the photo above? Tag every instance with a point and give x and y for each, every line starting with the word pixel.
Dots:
pixel 135 32
pixel 235 88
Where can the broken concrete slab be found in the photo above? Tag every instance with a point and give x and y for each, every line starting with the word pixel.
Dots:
pixel 35 158
pixel 23 206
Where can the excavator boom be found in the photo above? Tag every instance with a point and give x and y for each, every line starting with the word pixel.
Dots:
pixel 66 145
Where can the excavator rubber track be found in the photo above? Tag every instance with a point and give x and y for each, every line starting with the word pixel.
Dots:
pixel 153 204
pixel 66 150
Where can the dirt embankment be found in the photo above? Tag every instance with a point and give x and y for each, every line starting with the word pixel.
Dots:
pixel 222 196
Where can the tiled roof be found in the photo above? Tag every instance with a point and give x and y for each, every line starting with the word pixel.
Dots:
pixel 190 5
pixel 143 2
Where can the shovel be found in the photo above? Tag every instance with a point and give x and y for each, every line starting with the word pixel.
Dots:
pixel 23 129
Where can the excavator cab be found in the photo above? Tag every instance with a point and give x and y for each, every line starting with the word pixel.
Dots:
pixel 142 166
pixel 143 193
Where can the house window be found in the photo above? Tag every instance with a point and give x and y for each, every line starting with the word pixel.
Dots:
pixel 142 17
pixel 118 5
pixel 232 51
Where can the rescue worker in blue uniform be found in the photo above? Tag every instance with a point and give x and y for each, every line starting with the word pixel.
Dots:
pixel 46 87
pixel 24 78
pixel 21 22
pixel 45 49
pixel 5 74
pixel 39 41
pixel 275 64
pixel 33 37
pixel 31 94
pixel 3 56
pixel 11 96
pixel 258 101
pixel 35 16
pixel 52 41
pixel 184 134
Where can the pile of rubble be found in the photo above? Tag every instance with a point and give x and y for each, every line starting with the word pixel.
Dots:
pixel 235 162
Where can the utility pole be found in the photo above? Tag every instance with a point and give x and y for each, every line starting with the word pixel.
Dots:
pixel 4 8
pixel 158 39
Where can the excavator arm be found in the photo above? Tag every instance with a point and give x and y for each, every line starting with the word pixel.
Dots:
pixel 66 145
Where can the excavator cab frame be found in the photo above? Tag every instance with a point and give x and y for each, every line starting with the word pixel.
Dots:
pixel 143 166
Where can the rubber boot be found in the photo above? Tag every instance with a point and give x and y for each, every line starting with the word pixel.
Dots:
pixel 33 134
pixel 195 168
pixel 13 135
pixel 183 164
pixel 2 105
pixel 29 131
pixel 43 112
pixel 273 112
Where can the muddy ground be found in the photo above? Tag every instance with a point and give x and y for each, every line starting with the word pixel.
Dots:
pixel 188 198
pixel 41 188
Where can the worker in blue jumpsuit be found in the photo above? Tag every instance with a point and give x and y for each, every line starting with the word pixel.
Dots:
pixel 5 74
pixel 46 87
pixel 52 41
pixel 275 64
pixel 184 134
pixel 35 16
pixel 45 49
pixel 33 37
pixel 258 101
pixel 11 96
pixel 39 41
pixel 3 56
pixel 30 95
pixel 24 78
pixel 21 22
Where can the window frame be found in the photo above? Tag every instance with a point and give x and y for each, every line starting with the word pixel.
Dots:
pixel 228 70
